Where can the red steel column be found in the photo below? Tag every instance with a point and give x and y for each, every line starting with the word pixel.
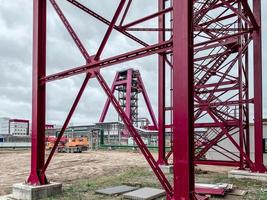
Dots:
pixel 240 94
pixel 183 110
pixel 128 93
pixel 161 90
pixel 257 42
pixel 38 93
pixel 247 104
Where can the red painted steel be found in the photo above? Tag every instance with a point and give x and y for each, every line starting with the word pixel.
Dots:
pixel 147 101
pixel 161 12
pixel 210 90
pixel 137 138
pixel 65 125
pixel 110 28
pixel 183 95
pixel 130 83
pixel 107 104
pixel 71 32
pixel 210 191
pixel 257 42
pixel 38 93
pixel 221 81
pixel 161 89
pixel 139 53
pixel 129 92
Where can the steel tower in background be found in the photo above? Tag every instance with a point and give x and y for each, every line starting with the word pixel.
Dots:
pixel 129 85
pixel 209 46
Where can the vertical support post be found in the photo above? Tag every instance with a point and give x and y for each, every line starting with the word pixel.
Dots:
pixel 240 93
pixel 128 93
pixel 183 96
pixel 257 42
pixel 161 89
pixel 38 93
pixel 247 98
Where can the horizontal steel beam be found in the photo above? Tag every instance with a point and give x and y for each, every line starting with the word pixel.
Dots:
pixel 147 18
pixel 215 124
pixel 146 51
pixel 226 103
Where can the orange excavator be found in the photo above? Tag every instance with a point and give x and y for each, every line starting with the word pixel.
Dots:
pixel 68 145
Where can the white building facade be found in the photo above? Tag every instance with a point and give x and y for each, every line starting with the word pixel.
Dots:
pixel 214 155
pixel 4 125
pixel 19 127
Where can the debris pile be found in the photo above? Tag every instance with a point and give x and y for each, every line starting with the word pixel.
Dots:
pixel 219 189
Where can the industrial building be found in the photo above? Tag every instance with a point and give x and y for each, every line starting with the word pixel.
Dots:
pixel 18 127
pixel 14 127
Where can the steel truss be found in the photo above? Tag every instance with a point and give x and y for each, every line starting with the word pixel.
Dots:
pixel 223 32
pixel 211 35
pixel 129 84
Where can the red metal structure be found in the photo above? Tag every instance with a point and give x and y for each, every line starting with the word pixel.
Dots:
pixel 129 84
pixel 224 30
pixel 207 48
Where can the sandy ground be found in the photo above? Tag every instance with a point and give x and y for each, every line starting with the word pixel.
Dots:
pixel 64 168
pixel 219 169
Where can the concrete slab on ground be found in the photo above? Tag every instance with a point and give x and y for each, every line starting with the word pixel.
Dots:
pixel 23 191
pixel 247 174
pixel 144 194
pixel 116 190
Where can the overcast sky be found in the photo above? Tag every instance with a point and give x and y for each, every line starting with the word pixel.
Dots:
pixel 16 59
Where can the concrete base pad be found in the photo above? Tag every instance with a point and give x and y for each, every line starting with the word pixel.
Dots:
pixel 144 194
pixel 246 174
pixel 22 191
pixel 166 169
pixel 116 190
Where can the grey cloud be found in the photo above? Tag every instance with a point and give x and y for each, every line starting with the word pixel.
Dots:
pixel 16 48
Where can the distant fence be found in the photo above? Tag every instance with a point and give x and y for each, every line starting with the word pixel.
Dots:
pixel 15 145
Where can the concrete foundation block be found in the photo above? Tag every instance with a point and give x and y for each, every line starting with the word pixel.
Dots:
pixel 247 174
pixel 23 191
pixel 167 169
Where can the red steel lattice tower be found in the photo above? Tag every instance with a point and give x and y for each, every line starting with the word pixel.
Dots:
pixel 129 85
pixel 207 47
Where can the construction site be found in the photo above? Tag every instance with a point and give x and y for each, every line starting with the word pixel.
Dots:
pixel 177 103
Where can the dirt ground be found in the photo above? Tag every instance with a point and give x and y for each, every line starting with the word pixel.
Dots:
pixel 82 174
pixel 65 168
